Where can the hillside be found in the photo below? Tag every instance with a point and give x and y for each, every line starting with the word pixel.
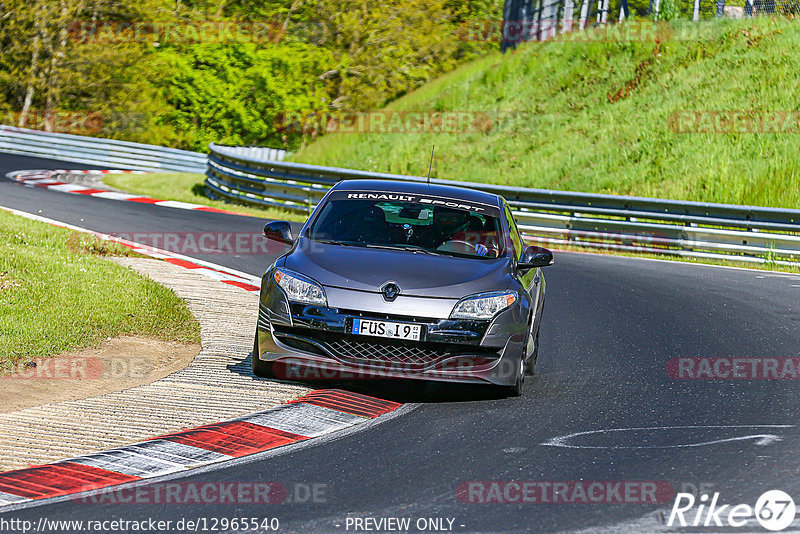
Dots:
pixel 613 117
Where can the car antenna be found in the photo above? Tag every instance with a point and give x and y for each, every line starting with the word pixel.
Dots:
pixel 431 165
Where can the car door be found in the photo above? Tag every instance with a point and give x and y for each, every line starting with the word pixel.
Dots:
pixel 531 279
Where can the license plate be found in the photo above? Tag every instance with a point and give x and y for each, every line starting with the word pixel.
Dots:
pixel 369 327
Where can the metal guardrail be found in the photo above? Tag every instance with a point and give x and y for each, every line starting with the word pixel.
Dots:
pixel 97 151
pixel 626 223
pixel 260 153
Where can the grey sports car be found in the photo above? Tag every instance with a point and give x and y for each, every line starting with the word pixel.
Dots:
pixel 392 279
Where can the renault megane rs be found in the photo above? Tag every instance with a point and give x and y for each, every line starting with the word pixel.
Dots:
pixel 404 280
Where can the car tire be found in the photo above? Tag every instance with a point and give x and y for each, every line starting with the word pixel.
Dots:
pixel 530 363
pixel 516 389
pixel 260 367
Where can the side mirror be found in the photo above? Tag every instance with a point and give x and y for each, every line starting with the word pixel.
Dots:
pixel 535 257
pixel 279 231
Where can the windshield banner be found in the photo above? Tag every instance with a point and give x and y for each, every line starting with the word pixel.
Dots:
pixel 425 200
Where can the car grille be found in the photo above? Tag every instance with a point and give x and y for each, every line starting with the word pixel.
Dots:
pixel 365 352
pixel 376 352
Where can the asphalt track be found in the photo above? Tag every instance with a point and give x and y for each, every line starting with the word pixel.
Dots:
pixel 611 324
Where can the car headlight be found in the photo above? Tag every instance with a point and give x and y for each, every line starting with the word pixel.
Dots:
pixel 483 306
pixel 300 288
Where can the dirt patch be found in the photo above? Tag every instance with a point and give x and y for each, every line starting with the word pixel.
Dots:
pixel 6 282
pixel 117 364
pixel 81 243
pixel 754 39
pixel 640 73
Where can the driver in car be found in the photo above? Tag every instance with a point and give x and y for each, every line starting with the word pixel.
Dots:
pixel 451 225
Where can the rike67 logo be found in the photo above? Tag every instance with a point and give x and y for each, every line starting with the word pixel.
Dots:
pixel 774 510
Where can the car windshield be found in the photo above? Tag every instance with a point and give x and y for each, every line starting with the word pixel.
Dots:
pixel 410 222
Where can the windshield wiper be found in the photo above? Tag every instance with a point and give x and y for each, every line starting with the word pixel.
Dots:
pixel 334 242
pixel 409 248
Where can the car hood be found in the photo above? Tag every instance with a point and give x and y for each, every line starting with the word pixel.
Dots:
pixel 417 274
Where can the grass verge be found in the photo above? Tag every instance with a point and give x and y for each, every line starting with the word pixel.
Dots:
pixel 188 187
pixel 56 294
pixel 613 116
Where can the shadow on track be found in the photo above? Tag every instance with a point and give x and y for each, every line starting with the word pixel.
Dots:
pixel 397 390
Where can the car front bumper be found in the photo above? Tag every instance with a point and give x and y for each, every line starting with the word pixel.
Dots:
pixel 317 342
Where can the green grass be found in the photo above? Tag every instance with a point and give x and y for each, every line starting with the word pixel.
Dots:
pixel 56 294
pixel 187 187
pixel 569 131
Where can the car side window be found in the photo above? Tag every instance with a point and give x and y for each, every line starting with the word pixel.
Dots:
pixel 516 240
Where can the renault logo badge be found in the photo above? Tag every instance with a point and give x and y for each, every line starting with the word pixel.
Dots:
pixel 390 290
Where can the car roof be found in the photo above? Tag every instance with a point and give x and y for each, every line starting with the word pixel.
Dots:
pixel 421 188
